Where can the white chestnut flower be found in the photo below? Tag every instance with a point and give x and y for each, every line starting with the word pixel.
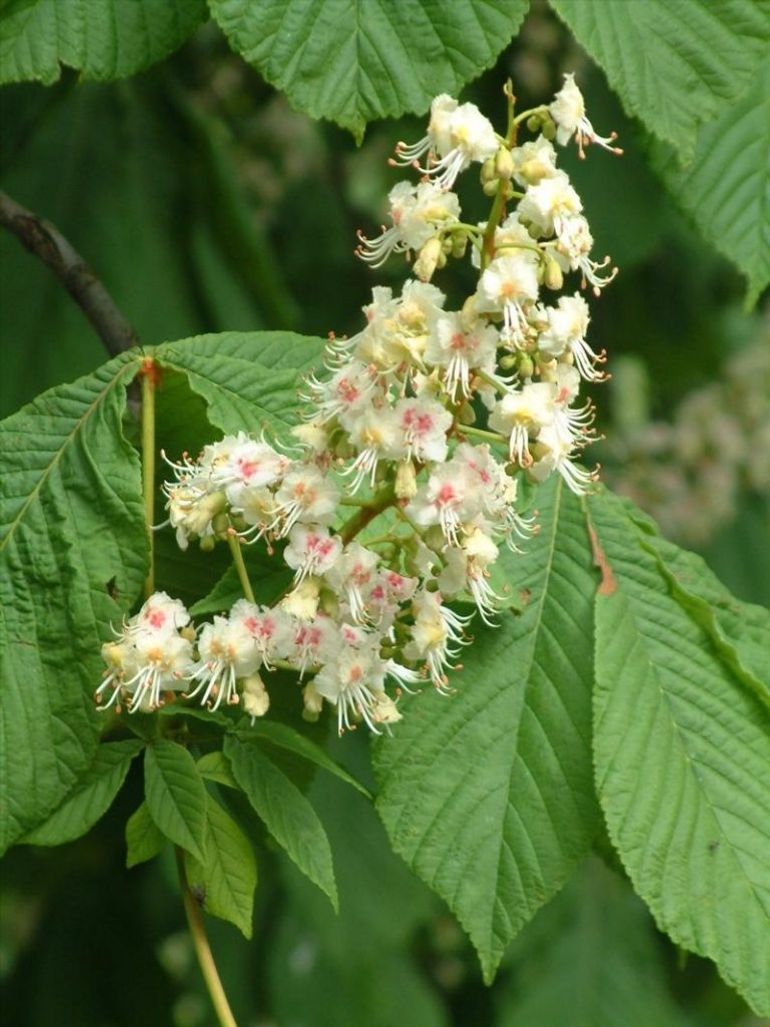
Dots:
pixel 572 253
pixel 520 415
pixel 150 657
pixel 566 331
pixel 226 652
pixel 435 637
pixel 533 161
pixel 354 682
pixel 460 349
pixel 549 203
pixel 423 424
pixel 306 496
pixel 311 550
pixel 504 287
pixel 568 111
pixel 457 136
pixel 418 213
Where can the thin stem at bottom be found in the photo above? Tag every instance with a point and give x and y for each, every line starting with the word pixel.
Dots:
pixel 203 950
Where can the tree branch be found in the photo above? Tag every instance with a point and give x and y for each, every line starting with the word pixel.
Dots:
pixel 49 245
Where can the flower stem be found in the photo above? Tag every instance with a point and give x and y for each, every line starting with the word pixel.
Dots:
pixel 208 967
pixel 148 466
pixel 466 429
pixel 358 521
pixel 240 566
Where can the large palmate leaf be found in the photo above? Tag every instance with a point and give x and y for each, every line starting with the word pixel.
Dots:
pixel 248 379
pixel 589 959
pixel 726 188
pixel 682 752
pixel 355 60
pixel 73 554
pixel 103 39
pixel 674 65
pixel 488 794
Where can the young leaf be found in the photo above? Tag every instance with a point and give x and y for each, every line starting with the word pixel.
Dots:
pixel 91 798
pixel 102 39
pixel 214 766
pixel 176 796
pixel 589 959
pixel 488 795
pixel 70 523
pixel 248 379
pixel 285 737
pixel 226 879
pixel 682 754
pixel 675 66
pixel 726 188
pixel 144 839
pixel 286 812
pixel 352 62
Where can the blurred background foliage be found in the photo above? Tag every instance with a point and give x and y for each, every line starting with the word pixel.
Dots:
pixel 205 204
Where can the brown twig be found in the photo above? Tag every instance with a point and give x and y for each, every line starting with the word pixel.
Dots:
pixel 49 245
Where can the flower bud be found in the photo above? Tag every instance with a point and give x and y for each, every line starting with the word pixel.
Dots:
pixel 428 259
pixel 488 173
pixel 189 633
pixel 459 245
pixel 467 414
pixel 526 367
pixel 302 602
pixel 508 361
pixel 256 701
pixel 207 543
pixel 533 122
pixel 553 277
pixel 490 188
pixel 406 480
pixel 312 434
pixel 313 702
pixel 548 127
pixel 504 163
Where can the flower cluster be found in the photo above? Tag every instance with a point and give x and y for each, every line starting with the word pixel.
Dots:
pixel 391 438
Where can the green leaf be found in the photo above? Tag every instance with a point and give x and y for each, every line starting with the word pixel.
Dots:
pixel 91 798
pixel 286 737
pixel 286 812
pixel 674 65
pixel 214 766
pixel 726 188
pixel 488 795
pixel 227 878
pixel 248 379
pixel 72 536
pixel 268 575
pixel 589 959
pixel 682 754
pixel 176 796
pixel 144 839
pixel 740 631
pixel 352 61
pixel 102 39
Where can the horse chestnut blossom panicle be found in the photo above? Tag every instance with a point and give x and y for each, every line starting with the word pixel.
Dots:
pixel 389 501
